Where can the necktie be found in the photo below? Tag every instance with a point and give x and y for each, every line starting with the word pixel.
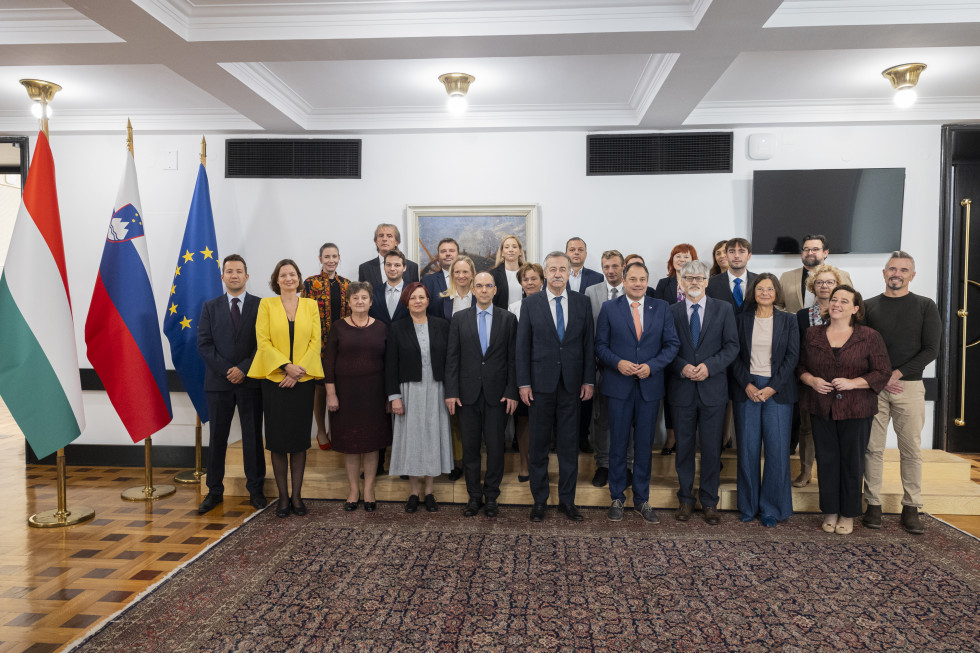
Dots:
pixel 695 324
pixel 614 293
pixel 236 313
pixel 559 318
pixel 737 293
pixel 803 277
pixel 392 301
pixel 637 322
pixel 484 340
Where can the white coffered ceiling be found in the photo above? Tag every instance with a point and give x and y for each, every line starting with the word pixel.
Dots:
pixel 357 66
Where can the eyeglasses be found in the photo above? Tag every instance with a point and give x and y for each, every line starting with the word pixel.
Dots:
pixel 825 282
pixel 694 279
pixel 812 250
pixel 766 291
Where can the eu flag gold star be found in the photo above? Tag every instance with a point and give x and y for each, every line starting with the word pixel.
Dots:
pixel 173 309
pixel 177 271
pixel 207 252
pixel 188 257
pixel 173 290
pixel 185 323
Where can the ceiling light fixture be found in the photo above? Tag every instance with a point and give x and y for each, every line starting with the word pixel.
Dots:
pixel 457 84
pixel 903 79
pixel 41 92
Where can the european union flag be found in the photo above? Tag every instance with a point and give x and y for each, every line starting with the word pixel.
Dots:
pixel 197 279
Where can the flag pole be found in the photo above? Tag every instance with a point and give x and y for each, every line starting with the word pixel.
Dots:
pixel 42 92
pixel 148 492
pixel 195 476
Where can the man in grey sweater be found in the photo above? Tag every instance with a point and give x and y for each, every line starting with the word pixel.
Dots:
pixel 910 326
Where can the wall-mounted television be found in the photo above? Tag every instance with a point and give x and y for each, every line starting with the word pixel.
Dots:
pixel 858 209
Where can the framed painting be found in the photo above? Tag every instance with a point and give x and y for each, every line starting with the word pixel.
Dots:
pixel 478 230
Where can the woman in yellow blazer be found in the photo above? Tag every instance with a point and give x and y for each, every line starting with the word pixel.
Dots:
pixel 287 358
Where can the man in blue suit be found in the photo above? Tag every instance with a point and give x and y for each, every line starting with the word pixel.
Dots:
pixel 437 282
pixel 226 342
pixel 635 340
pixel 385 306
pixel 697 388
pixel 555 373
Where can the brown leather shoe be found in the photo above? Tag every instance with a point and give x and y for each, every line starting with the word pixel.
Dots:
pixel 684 512
pixel 711 516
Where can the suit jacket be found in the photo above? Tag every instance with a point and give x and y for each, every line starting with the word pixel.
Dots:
pixel 785 355
pixel 469 371
pixel 598 295
pixel 719 289
pixel 502 283
pixel 717 348
pixel 792 294
pixel 403 355
pixel 589 278
pixel 370 270
pixel 379 307
pixel 542 359
pixel 667 289
pixel 272 340
pixel 616 340
pixel 435 283
pixel 222 346
pixel 443 307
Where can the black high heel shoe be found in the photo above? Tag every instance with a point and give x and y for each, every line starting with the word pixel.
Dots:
pixel 283 512
pixel 370 506
pixel 351 506
pixel 298 510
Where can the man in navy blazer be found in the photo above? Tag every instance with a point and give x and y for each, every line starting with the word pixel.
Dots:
pixel 226 342
pixel 386 238
pixel 481 386
pixel 385 305
pixel 555 373
pixel 697 388
pixel 732 285
pixel 437 282
pixel 580 277
pixel 635 341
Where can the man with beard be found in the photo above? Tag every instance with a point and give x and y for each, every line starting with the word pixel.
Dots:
pixel 813 254
pixel 910 327
pixel 733 284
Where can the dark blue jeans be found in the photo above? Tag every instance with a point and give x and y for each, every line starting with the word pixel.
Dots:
pixel 765 426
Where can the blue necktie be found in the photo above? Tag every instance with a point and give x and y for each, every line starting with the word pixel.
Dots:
pixel 737 293
pixel 484 341
pixel 695 324
pixel 559 318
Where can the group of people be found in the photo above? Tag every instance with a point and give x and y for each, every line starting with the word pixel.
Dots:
pixel 582 360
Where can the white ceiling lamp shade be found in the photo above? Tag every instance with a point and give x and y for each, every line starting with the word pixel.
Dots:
pixel 457 84
pixel 904 78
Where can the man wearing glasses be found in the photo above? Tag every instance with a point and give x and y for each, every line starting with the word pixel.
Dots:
pixel 814 253
pixel 697 388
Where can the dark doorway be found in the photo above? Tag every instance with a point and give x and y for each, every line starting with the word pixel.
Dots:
pixel 957 425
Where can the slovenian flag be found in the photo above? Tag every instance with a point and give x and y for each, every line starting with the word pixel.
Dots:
pixel 197 279
pixel 39 379
pixel 122 331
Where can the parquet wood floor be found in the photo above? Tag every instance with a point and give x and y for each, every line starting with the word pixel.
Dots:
pixel 56 584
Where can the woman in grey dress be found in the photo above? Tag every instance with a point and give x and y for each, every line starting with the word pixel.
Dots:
pixel 415 363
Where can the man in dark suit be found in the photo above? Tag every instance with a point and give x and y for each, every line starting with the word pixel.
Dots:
pixel 226 342
pixel 555 373
pixel 437 282
pixel 386 238
pixel 481 386
pixel 385 306
pixel 731 286
pixel 635 341
pixel 697 388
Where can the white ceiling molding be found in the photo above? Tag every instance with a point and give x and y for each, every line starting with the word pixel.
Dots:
pixel 651 79
pixel 814 13
pixel 50 25
pixel 188 120
pixel 934 109
pixel 272 89
pixel 217 21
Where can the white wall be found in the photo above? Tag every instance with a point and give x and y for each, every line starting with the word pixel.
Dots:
pixel 266 220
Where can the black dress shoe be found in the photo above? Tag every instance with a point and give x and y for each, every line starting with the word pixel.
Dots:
pixel 430 503
pixel 523 479
pixel 456 474
pixel 684 512
pixel 370 506
pixel 570 511
pixel 209 503
pixel 666 451
pixel 491 510
pixel 537 512
pixel 283 512
pixel 472 507
pixel 258 501
pixel 350 506
pixel 298 509
pixel 601 477
pixel 413 504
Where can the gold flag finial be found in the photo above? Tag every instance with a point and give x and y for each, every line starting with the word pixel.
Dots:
pixel 41 92
pixel 204 151
pixel 129 137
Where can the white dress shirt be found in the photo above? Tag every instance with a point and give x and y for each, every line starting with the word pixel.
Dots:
pixel 564 306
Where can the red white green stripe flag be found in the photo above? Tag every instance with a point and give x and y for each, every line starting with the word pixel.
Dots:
pixel 38 362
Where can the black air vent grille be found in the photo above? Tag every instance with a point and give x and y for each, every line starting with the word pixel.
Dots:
pixel 295 159
pixel 659 154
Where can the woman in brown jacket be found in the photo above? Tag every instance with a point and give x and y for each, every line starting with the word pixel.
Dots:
pixel 843 367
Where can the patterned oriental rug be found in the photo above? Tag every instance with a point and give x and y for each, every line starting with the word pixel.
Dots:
pixel 389 581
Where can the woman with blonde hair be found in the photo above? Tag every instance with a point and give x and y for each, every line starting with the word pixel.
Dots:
pixel 510 258
pixel 458 294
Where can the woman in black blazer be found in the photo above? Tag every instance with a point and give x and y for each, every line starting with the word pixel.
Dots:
pixel 458 295
pixel 667 289
pixel 415 364
pixel 763 392
pixel 510 258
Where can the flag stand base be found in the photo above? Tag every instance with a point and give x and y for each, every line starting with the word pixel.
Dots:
pixel 63 516
pixel 195 475
pixel 148 492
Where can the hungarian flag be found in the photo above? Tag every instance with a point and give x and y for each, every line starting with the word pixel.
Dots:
pixel 122 330
pixel 39 379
